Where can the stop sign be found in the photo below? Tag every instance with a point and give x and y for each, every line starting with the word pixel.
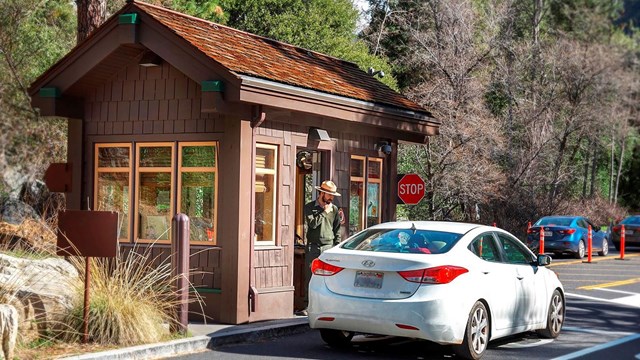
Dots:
pixel 411 189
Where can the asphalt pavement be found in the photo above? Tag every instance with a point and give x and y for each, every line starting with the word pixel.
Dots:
pixel 604 280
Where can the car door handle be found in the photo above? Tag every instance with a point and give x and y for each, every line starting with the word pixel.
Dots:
pixel 486 272
pixel 520 277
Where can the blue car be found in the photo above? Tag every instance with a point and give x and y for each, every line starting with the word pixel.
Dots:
pixel 567 235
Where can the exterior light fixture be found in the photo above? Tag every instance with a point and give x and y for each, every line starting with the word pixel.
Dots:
pixel 384 147
pixel 374 72
pixel 150 59
pixel 318 134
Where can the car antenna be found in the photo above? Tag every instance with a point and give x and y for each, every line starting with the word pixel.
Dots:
pixel 413 228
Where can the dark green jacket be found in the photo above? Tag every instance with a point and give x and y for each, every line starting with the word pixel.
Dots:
pixel 322 228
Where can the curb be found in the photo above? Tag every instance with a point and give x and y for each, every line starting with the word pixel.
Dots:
pixel 245 333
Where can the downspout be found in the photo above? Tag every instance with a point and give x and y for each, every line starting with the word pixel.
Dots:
pixel 257 118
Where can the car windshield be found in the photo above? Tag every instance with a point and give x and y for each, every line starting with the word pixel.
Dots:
pixel 555 221
pixel 632 220
pixel 403 241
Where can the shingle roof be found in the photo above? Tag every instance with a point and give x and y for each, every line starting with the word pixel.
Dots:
pixel 248 54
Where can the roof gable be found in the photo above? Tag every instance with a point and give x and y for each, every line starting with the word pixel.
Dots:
pixel 247 54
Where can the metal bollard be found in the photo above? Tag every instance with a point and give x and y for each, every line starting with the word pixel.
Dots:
pixel 180 267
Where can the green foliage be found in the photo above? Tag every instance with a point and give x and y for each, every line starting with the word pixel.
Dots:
pixel 325 26
pixel 204 9
pixel 497 98
pixel 629 193
pixel 577 17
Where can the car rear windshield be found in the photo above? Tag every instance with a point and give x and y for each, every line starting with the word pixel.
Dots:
pixel 557 221
pixel 635 220
pixel 403 241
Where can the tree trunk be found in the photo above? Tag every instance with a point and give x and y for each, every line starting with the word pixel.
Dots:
pixel 613 150
pixel 585 177
pixel 615 194
pixel 91 14
pixel 594 167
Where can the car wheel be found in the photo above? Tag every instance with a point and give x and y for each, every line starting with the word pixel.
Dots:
pixel 476 335
pixel 605 248
pixel 336 338
pixel 580 253
pixel 555 317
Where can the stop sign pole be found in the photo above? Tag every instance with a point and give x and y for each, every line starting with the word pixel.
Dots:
pixel 411 189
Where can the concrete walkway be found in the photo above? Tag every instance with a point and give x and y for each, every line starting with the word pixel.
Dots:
pixel 205 337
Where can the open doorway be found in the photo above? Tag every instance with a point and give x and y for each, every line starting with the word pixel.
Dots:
pixel 310 171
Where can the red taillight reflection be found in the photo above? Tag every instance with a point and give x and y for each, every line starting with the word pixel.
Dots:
pixel 567 232
pixel 617 228
pixel 435 275
pixel 319 267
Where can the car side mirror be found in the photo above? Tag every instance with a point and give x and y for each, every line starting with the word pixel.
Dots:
pixel 543 260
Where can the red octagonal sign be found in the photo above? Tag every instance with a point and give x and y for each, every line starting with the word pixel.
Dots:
pixel 411 189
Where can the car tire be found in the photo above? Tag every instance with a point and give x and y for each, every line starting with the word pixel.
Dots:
pixel 581 250
pixel 555 317
pixel 605 248
pixel 336 338
pixel 476 335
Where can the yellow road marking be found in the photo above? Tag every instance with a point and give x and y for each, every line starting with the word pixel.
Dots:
pixel 599 258
pixel 610 284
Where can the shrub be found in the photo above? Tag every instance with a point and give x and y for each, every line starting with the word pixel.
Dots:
pixel 131 300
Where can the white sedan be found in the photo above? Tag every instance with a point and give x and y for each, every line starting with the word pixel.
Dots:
pixel 446 282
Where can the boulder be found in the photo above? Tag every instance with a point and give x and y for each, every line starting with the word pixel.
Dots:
pixel 16 212
pixel 45 203
pixel 8 329
pixel 41 290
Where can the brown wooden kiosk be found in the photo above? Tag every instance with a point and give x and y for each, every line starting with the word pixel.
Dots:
pixel 171 114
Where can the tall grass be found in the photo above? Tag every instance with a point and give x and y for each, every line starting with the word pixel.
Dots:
pixel 132 301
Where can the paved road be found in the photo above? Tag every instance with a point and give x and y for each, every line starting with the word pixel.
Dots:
pixel 603 308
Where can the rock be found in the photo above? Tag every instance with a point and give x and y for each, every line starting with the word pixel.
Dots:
pixel 8 329
pixel 45 203
pixel 41 290
pixel 16 212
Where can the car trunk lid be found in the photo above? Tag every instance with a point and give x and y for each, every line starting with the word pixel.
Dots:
pixel 375 274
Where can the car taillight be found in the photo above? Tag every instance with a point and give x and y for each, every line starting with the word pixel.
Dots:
pixel 319 267
pixel 617 228
pixel 533 230
pixel 567 232
pixel 435 275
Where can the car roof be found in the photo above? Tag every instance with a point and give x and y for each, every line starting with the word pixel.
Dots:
pixel 447 226
pixel 562 216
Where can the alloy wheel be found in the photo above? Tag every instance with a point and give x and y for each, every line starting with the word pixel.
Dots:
pixel 557 313
pixel 581 249
pixel 479 330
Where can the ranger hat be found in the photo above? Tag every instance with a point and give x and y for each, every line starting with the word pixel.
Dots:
pixel 328 187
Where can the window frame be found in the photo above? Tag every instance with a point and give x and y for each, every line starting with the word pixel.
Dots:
pixel 268 171
pixel 365 180
pixel 172 196
pixel 180 170
pixel 98 170
pixel 517 244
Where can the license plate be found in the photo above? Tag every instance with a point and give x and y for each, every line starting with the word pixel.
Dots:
pixel 368 279
pixel 628 232
pixel 548 233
